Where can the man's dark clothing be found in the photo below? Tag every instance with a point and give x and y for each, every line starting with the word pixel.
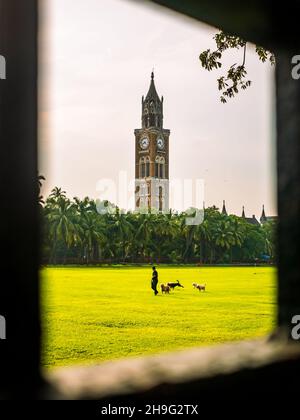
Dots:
pixel 154 281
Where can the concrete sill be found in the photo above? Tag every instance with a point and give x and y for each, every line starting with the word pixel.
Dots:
pixel 258 365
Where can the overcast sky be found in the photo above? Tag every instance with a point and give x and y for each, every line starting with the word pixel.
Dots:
pixel 96 60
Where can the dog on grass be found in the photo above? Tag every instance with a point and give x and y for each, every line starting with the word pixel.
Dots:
pixel 173 285
pixel 165 288
pixel 199 286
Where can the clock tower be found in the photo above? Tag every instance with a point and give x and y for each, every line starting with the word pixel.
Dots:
pixel 152 155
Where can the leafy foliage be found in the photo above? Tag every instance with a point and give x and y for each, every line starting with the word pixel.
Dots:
pixel 74 231
pixel 236 76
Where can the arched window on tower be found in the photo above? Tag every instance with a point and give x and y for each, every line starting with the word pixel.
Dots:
pixel 148 191
pixel 147 166
pixel 160 197
pixel 162 168
pixel 142 167
pixel 137 196
pixel 156 167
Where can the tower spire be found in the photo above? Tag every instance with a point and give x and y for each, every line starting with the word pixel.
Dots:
pixel 263 215
pixel 152 107
pixel 152 93
pixel 224 211
pixel 152 155
pixel 243 213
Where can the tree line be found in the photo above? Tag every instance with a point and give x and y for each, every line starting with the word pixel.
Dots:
pixel 75 231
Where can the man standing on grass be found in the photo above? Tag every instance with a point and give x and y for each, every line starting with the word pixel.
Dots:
pixel 154 280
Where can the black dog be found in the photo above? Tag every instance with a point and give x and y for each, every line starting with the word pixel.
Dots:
pixel 173 285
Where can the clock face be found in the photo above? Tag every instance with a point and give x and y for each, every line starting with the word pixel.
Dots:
pixel 160 143
pixel 144 142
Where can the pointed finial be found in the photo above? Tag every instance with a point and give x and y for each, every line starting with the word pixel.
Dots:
pixel 263 214
pixel 224 211
pixel 152 74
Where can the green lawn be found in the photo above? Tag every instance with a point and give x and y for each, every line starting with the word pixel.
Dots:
pixel 95 314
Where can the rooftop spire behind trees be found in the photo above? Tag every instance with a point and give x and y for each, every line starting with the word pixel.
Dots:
pixel 224 211
pixel 263 214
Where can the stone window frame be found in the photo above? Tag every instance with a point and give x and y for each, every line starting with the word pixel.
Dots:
pixel 245 367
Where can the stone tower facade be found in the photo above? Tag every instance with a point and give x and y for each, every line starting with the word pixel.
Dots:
pixel 152 155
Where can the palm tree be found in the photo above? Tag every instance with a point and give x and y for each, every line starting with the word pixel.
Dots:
pixel 122 231
pixel 238 232
pixel 222 234
pixel 61 226
pixel 76 228
pixel 189 232
pixel 143 236
pixel 269 230
pixel 203 236
pixel 56 194
pixel 91 235
pixel 163 235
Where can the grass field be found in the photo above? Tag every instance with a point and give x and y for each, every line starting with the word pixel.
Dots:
pixel 95 314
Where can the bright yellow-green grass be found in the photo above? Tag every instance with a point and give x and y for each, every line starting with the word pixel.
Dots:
pixel 95 314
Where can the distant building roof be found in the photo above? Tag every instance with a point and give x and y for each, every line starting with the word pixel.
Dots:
pixel 252 220
pixel 264 218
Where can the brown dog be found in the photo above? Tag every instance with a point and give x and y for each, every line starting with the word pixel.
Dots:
pixel 165 288
pixel 199 286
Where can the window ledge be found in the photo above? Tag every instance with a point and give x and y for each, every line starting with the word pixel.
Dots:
pixel 167 373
